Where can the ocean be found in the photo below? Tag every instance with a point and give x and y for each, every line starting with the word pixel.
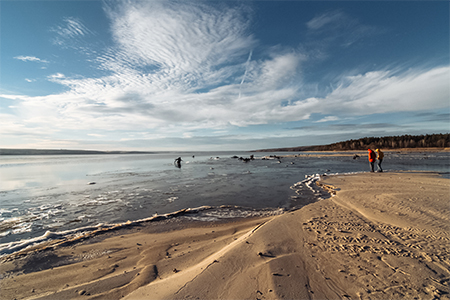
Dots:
pixel 46 197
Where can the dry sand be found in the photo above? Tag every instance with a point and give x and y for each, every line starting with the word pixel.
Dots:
pixel 382 236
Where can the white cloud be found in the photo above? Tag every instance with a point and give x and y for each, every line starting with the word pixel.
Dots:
pixel 30 58
pixel 56 76
pixel 122 102
pixel 176 43
pixel 383 92
pixel 377 92
pixel 280 71
pixel 328 119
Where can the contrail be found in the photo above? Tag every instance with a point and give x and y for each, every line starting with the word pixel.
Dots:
pixel 245 73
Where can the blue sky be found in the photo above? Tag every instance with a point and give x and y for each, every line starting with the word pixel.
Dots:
pixel 220 75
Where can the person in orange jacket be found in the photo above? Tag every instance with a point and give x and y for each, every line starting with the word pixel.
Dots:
pixel 380 156
pixel 372 158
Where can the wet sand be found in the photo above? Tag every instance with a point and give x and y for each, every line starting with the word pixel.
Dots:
pixel 381 236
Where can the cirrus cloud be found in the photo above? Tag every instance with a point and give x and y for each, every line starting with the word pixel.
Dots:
pixel 69 31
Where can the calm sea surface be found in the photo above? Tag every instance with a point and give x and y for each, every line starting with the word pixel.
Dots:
pixel 56 194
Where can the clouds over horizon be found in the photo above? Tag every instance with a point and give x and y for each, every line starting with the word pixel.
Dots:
pixel 176 67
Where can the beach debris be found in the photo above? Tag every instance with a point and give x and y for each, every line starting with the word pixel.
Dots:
pixel 246 159
pixel 266 254
pixel 277 274
pixel 91 183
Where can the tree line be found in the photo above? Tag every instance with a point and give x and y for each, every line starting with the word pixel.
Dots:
pixel 387 142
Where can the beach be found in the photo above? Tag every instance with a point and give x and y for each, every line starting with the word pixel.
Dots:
pixel 379 236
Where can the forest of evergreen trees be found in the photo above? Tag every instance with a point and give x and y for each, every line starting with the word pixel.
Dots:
pixel 387 142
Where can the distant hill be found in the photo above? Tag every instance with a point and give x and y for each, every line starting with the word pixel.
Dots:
pixel 62 152
pixel 387 142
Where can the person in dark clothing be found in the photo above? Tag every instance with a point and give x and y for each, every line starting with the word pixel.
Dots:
pixel 177 162
pixel 372 158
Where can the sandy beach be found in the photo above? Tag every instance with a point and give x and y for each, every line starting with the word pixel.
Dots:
pixel 380 236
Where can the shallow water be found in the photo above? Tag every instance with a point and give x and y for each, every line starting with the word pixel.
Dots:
pixel 40 194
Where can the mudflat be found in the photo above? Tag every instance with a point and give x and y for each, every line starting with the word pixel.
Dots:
pixel 380 236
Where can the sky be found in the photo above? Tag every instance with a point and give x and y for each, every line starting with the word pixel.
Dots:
pixel 214 75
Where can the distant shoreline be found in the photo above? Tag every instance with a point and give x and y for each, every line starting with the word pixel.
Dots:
pixel 65 152
pixel 430 149
pixel 12 152
pixel 428 141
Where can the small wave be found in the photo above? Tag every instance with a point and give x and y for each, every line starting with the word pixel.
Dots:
pixel 15 224
pixel 97 202
pixel 4 213
pixel 202 213
pixel 233 212
pixel 310 182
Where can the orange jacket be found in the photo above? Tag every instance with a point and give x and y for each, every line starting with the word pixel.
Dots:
pixel 372 155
